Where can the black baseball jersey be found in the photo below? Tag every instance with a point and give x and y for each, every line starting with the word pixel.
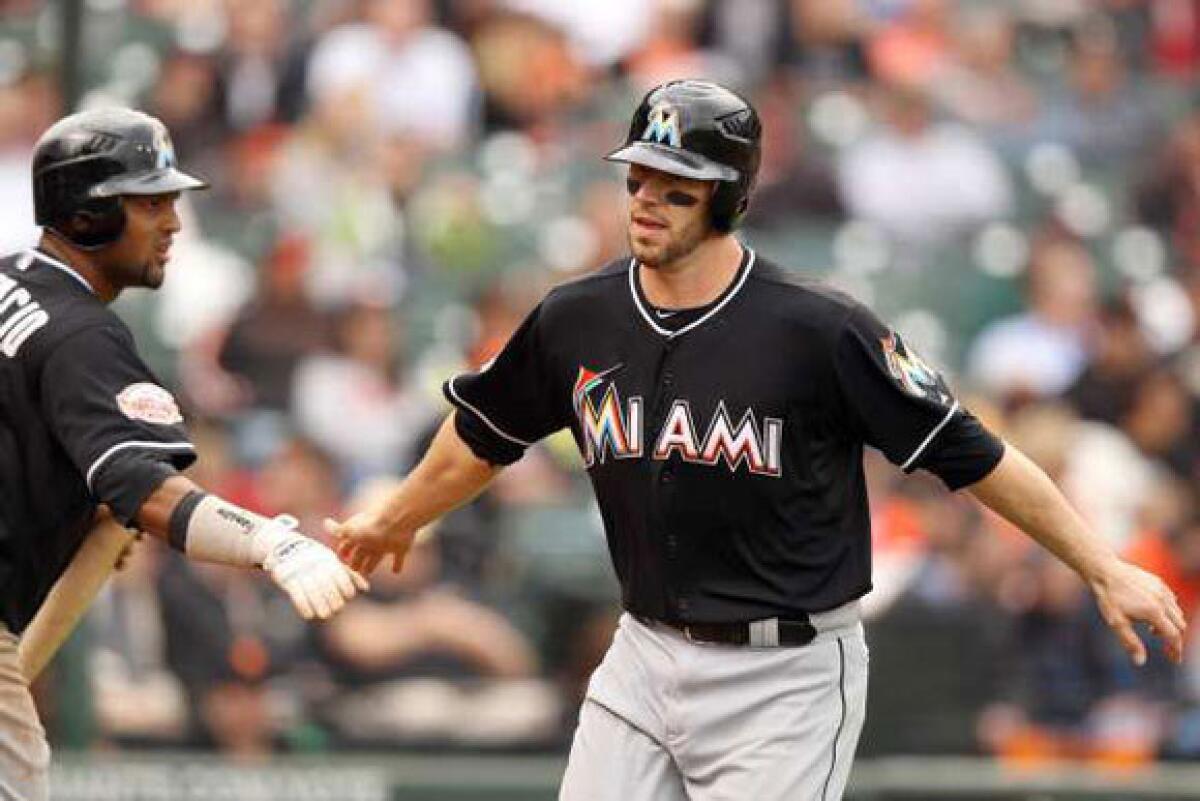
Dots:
pixel 83 421
pixel 724 444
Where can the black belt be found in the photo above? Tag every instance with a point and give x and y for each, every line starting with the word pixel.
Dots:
pixel 769 633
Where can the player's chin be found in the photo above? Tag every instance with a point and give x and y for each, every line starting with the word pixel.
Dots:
pixel 154 274
pixel 647 253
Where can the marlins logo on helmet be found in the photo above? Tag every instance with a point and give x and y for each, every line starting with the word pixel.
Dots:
pixel 663 126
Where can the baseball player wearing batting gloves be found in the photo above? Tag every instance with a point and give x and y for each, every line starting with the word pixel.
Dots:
pixel 84 422
pixel 721 406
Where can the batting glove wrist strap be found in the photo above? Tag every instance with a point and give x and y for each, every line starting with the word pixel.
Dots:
pixel 221 532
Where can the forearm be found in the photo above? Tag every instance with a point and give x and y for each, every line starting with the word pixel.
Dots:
pixel 447 477
pixel 1020 492
pixel 154 516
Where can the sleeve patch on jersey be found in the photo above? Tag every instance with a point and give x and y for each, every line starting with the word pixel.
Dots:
pixel 911 372
pixel 149 403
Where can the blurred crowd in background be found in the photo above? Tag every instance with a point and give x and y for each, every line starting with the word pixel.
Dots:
pixel 1014 185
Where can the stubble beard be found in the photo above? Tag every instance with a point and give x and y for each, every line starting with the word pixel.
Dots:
pixel 663 256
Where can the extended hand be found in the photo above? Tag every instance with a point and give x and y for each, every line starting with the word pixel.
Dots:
pixel 1127 594
pixel 311 574
pixel 364 540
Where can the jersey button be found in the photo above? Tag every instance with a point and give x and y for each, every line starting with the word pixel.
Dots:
pixel 682 605
pixel 668 378
pixel 668 475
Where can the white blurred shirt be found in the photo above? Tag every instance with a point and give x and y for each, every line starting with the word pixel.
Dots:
pixel 924 190
pixel 426 85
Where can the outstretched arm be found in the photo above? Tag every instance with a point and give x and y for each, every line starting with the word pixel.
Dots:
pixel 1018 490
pixel 208 528
pixel 449 475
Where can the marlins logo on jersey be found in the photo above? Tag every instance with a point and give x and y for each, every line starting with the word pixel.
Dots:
pixel 610 427
pixel 663 126
pixel 911 371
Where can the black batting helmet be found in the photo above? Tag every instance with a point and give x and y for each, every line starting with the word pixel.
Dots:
pixel 85 162
pixel 701 130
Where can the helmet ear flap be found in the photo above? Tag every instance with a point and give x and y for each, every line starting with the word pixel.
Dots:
pixel 98 223
pixel 729 203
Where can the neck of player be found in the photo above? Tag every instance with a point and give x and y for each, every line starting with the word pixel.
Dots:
pixel 696 278
pixel 83 262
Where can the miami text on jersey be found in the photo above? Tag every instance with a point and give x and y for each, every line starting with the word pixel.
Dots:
pixel 611 428
pixel 20 316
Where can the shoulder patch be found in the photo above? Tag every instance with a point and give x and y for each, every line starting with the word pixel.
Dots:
pixel 911 372
pixel 149 403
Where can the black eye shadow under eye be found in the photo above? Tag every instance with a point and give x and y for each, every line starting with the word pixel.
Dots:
pixel 677 198
pixel 632 185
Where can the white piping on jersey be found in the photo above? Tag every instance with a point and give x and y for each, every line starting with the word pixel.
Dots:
pixel 159 446
pixel 484 417
pixel 53 262
pixel 669 334
pixel 925 442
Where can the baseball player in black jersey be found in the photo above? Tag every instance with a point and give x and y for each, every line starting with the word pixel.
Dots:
pixel 83 421
pixel 721 407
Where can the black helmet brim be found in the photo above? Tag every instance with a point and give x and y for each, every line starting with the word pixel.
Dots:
pixel 673 160
pixel 154 182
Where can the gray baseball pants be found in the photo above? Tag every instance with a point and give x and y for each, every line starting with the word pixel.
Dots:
pixel 24 753
pixel 668 719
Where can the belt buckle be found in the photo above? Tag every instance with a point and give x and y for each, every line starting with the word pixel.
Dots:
pixel 687 633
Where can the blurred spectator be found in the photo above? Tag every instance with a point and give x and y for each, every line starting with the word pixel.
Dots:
pixel 794 185
pixel 672 48
pixel 910 49
pixel 184 97
pixel 1121 357
pixel 1098 467
pixel 299 479
pixel 509 48
pixel 943 632
pixel 138 700
pixel 600 34
pixel 27 106
pixel 1042 350
pixel 218 631
pixel 353 401
pixel 327 178
pixel 981 84
pixel 1099 114
pixel 268 338
pixel 1175 37
pixel 419 661
pixel 261 65
pixel 1168 196
pixel 829 39
pixel 413 75
pixel 237 209
pixel 1061 671
pixel 1161 422
pixel 922 181
pixel 754 33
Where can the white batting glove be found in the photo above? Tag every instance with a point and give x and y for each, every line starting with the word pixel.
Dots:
pixel 313 577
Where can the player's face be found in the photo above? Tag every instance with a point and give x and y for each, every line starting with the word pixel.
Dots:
pixel 668 215
pixel 139 257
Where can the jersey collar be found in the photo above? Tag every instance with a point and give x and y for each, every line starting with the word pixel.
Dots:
pixel 639 302
pixel 60 266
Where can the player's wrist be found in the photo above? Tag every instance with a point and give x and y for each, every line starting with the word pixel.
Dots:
pixel 208 528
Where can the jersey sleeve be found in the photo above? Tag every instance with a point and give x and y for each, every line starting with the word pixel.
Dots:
pixel 509 404
pixel 121 428
pixel 891 398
